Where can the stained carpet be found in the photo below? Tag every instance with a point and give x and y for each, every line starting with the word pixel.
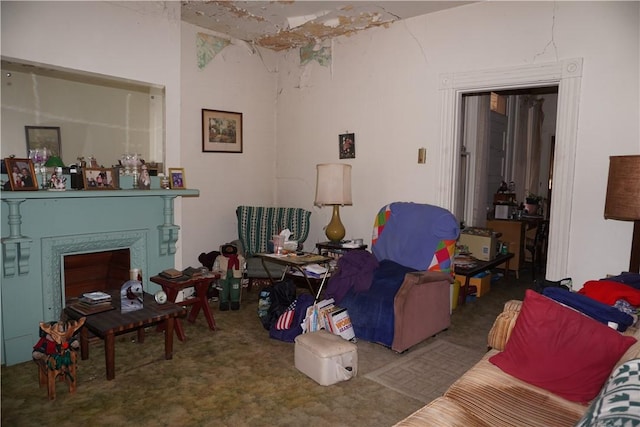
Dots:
pixel 427 373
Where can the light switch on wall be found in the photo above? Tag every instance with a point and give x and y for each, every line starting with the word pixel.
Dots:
pixel 422 155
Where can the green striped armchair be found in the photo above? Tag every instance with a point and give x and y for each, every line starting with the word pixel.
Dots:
pixel 256 226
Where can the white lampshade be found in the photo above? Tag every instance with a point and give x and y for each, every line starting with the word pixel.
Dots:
pixel 333 185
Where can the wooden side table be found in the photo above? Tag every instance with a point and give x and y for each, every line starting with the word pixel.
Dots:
pixel 201 284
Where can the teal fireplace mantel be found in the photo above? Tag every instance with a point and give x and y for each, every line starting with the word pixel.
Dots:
pixel 40 228
pixel 17 245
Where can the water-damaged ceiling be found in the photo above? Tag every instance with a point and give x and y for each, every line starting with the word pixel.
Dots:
pixel 282 25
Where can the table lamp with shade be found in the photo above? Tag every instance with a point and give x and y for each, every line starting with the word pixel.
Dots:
pixel 623 199
pixel 333 188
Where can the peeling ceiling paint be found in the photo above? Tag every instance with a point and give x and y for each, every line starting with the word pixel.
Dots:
pixel 283 25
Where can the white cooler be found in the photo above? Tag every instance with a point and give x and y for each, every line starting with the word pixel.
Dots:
pixel 326 358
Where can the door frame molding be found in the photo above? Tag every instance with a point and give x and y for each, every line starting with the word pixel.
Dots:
pixel 567 75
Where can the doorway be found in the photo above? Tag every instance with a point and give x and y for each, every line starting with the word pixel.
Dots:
pixel 567 75
pixel 507 139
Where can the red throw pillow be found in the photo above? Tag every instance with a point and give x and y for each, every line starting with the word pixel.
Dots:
pixel 561 350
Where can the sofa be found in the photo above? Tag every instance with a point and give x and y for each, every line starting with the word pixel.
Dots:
pixel 398 294
pixel 486 395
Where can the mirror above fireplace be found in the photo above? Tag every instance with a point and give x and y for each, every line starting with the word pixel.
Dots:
pixel 100 116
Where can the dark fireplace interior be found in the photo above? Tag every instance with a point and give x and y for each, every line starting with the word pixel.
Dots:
pixel 96 271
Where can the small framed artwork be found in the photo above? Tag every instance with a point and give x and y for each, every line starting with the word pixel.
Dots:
pixel 39 137
pixel 221 131
pixel 21 173
pixel 177 180
pixel 347 145
pixel 100 179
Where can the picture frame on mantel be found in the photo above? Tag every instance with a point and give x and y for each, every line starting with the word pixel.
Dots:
pixel 177 180
pixel 100 179
pixel 221 131
pixel 21 174
pixel 39 137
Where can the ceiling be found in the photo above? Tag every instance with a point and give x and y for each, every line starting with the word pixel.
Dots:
pixel 283 25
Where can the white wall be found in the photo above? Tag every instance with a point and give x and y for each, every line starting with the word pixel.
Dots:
pixel 239 80
pixel 383 85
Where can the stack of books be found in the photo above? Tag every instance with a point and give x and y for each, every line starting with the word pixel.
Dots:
pixel 97 297
pixel 92 302
pixel 315 270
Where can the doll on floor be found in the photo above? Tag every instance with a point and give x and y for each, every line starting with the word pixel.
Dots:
pixel 230 265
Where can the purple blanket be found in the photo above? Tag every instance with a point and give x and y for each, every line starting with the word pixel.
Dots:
pixel 355 271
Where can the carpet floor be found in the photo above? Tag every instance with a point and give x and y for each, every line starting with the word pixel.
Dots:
pixel 425 374
pixel 235 376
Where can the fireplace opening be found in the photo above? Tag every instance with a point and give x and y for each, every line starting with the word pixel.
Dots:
pixel 95 271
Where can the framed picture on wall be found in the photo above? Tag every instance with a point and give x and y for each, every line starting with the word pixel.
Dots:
pixel 100 179
pixel 177 180
pixel 221 131
pixel 347 145
pixel 21 173
pixel 39 137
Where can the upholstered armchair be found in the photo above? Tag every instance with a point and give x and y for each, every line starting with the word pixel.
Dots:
pixel 399 295
pixel 257 225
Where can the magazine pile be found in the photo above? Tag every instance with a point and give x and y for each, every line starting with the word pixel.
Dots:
pixel 326 315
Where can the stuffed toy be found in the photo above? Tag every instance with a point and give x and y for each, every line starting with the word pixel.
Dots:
pixel 230 264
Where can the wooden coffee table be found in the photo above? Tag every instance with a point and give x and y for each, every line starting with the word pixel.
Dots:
pixel 479 267
pixel 108 324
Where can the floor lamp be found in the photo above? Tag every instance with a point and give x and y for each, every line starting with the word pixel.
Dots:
pixel 623 199
pixel 333 188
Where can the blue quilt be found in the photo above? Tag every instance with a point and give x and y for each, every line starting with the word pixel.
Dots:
pixel 412 233
pixel 371 312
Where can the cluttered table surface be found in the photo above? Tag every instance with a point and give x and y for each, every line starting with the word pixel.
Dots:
pixel 468 266
pixel 308 265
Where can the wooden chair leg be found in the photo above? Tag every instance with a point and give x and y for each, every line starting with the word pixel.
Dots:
pixel 52 374
pixel 72 378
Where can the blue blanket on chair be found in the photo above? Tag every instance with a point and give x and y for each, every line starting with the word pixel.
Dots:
pixel 372 312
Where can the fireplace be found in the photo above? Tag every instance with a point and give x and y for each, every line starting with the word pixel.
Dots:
pixel 94 271
pixel 45 228
pixel 56 248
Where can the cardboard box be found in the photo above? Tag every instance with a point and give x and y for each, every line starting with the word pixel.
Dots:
pixel 481 281
pixel 482 247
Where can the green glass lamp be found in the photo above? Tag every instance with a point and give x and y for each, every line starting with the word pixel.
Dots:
pixel 333 188
pixel 54 162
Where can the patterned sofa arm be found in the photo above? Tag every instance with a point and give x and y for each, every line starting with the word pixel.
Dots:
pixel 503 325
